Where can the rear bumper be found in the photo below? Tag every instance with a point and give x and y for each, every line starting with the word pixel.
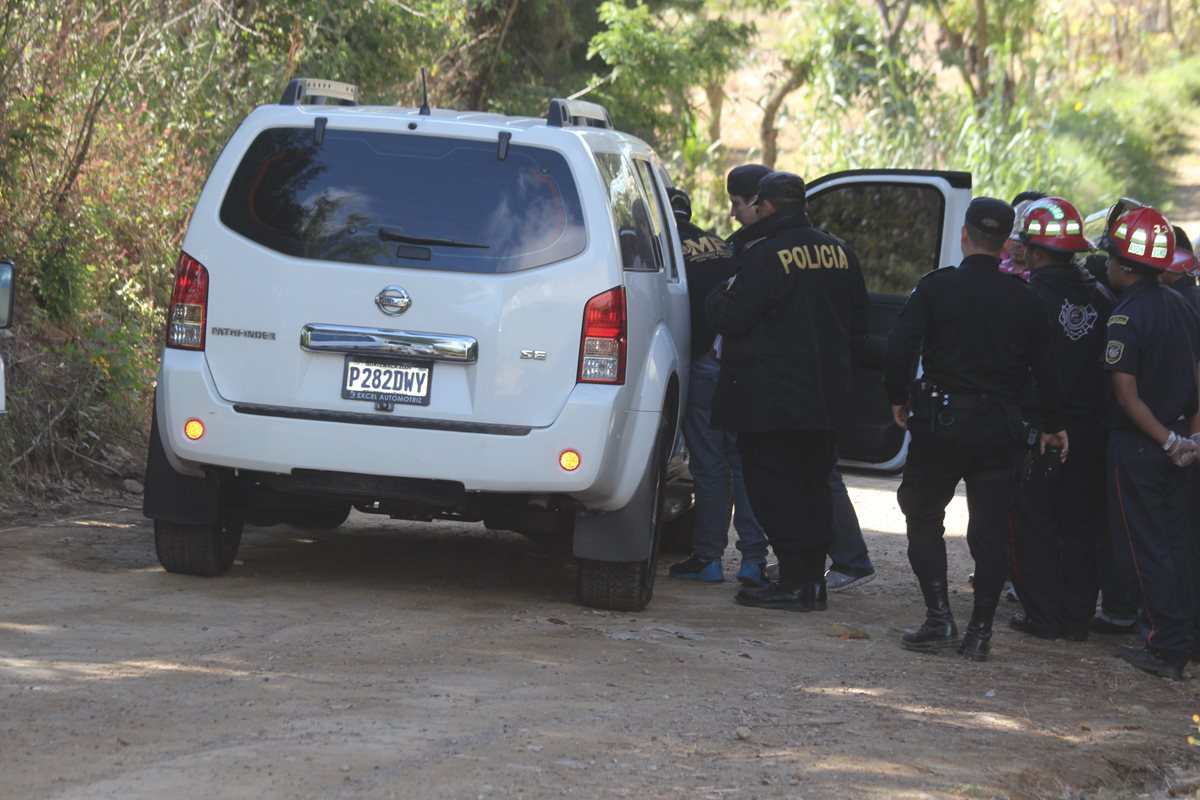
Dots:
pixel 613 442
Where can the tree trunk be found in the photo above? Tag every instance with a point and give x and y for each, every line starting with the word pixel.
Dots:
pixel 716 101
pixel 796 77
pixel 981 45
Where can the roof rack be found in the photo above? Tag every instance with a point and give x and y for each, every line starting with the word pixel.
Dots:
pixel 568 113
pixel 315 91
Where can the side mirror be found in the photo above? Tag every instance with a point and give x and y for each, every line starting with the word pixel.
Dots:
pixel 7 293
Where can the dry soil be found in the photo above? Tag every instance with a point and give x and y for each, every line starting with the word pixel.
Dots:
pixel 391 659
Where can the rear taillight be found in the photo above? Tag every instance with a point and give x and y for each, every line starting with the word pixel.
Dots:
pixel 189 304
pixel 602 354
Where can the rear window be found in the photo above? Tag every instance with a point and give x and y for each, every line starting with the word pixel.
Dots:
pixel 405 200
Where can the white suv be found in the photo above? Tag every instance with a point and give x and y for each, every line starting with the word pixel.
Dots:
pixel 447 315
pixel 426 315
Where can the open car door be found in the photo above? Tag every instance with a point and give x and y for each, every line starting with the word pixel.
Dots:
pixel 902 224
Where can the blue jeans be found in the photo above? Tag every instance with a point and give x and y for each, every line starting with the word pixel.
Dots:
pixel 848 553
pixel 715 464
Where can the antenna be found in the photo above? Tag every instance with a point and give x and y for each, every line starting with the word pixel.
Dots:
pixel 424 96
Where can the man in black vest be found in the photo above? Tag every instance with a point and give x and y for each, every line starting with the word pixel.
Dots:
pixel 789 322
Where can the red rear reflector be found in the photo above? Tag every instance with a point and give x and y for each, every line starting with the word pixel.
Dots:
pixel 189 305
pixel 602 350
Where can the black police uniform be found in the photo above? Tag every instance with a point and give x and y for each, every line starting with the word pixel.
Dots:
pixel 789 322
pixel 979 332
pixel 1058 518
pixel 1154 335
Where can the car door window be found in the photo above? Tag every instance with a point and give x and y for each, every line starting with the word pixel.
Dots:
pixel 658 216
pixel 894 228
pixel 635 227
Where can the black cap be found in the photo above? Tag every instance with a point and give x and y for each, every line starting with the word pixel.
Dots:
pixel 780 186
pixel 991 216
pixel 1181 240
pixel 681 204
pixel 743 180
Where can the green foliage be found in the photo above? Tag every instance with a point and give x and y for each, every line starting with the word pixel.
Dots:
pixel 1116 138
pixel 682 50
pixel 112 114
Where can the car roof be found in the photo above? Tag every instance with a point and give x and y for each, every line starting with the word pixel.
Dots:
pixel 276 114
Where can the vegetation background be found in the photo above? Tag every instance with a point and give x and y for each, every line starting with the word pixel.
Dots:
pixel 111 114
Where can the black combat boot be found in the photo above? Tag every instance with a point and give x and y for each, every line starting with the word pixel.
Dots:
pixel 977 640
pixel 938 631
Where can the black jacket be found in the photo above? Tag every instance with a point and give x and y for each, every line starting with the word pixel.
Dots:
pixel 978 331
pixel 709 261
pixel 1078 308
pixel 790 322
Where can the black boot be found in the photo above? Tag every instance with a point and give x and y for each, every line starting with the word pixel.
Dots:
pixel 977 641
pixel 938 631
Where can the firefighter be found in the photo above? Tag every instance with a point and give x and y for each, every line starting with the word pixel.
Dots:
pixel 1152 358
pixel 1059 511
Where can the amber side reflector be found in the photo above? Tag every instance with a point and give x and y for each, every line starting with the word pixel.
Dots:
pixel 569 460
pixel 193 429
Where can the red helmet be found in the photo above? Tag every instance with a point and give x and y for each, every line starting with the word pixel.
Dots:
pixel 1054 224
pixel 1141 237
pixel 1185 259
pixel 1183 263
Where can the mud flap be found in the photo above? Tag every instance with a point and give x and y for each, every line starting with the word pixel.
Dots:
pixel 172 497
pixel 623 535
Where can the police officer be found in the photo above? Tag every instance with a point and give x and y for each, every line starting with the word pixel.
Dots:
pixel 714 460
pixel 850 562
pixel 742 185
pixel 789 321
pixel 1153 359
pixel 1058 518
pixel 979 332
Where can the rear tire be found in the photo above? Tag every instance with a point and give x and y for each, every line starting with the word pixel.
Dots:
pixel 206 550
pixel 629 585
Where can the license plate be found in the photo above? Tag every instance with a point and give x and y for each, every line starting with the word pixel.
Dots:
pixel 387 381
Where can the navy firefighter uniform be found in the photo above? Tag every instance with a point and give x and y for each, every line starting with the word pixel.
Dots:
pixel 1151 357
pixel 979 333
pixel 1059 523
pixel 1184 268
pixel 790 322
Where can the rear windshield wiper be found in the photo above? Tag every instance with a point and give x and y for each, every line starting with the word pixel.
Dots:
pixel 397 235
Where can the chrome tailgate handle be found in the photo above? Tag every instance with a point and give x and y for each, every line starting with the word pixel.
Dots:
pixel 320 338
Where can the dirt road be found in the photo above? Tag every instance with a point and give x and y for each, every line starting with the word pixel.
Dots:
pixel 402 660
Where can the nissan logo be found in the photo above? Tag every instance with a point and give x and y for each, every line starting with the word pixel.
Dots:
pixel 393 301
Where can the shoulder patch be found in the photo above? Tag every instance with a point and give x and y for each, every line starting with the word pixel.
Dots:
pixel 1114 351
pixel 1118 319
